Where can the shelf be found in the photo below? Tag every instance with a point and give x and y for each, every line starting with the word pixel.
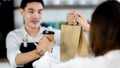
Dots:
pixel 67 6
pixel 70 6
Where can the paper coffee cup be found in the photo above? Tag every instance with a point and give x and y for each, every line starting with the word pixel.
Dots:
pixel 49 35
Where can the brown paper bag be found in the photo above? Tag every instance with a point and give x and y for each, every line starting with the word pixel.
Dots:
pixel 72 43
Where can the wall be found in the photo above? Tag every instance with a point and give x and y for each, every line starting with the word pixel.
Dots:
pixel 53 15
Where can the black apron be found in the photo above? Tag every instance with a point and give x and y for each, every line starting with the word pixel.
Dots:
pixel 30 47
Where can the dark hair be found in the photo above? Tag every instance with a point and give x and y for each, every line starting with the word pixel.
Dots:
pixel 105 28
pixel 25 2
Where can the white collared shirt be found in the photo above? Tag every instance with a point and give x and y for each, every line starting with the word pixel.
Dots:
pixel 15 38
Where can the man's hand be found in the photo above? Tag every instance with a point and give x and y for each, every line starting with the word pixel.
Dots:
pixel 44 45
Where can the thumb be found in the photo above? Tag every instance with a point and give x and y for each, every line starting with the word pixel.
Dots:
pixel 36 44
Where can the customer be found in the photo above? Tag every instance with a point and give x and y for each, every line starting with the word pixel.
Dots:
pixel 104 40
pixel 21 51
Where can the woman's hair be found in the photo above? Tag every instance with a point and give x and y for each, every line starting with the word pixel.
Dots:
pixel 25 2
pixel 105 28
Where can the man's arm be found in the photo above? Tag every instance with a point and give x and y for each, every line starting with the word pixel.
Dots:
pixel 24 58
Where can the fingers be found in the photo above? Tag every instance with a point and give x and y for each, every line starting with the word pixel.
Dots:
pixel 44 45
pixel 40 50
pixel 82 19
pixel 75 18
pixel 36 44
pixel 71 18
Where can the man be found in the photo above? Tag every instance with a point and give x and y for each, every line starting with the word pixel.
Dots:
pixel 21 51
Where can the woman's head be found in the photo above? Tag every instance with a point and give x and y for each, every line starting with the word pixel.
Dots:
pixel 105 28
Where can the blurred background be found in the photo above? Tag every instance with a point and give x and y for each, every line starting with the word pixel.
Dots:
pixel 54 14
pixel 55 11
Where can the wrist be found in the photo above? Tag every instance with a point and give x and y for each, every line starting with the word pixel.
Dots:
pixel 38 53
pixel 86 27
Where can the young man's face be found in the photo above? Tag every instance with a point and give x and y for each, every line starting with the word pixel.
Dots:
pixel 32 14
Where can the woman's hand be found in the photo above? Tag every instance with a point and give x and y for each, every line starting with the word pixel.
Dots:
pixel 82 21
pixel 75 18
pixel 71 18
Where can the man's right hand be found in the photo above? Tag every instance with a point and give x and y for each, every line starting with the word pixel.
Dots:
pixel 44 45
